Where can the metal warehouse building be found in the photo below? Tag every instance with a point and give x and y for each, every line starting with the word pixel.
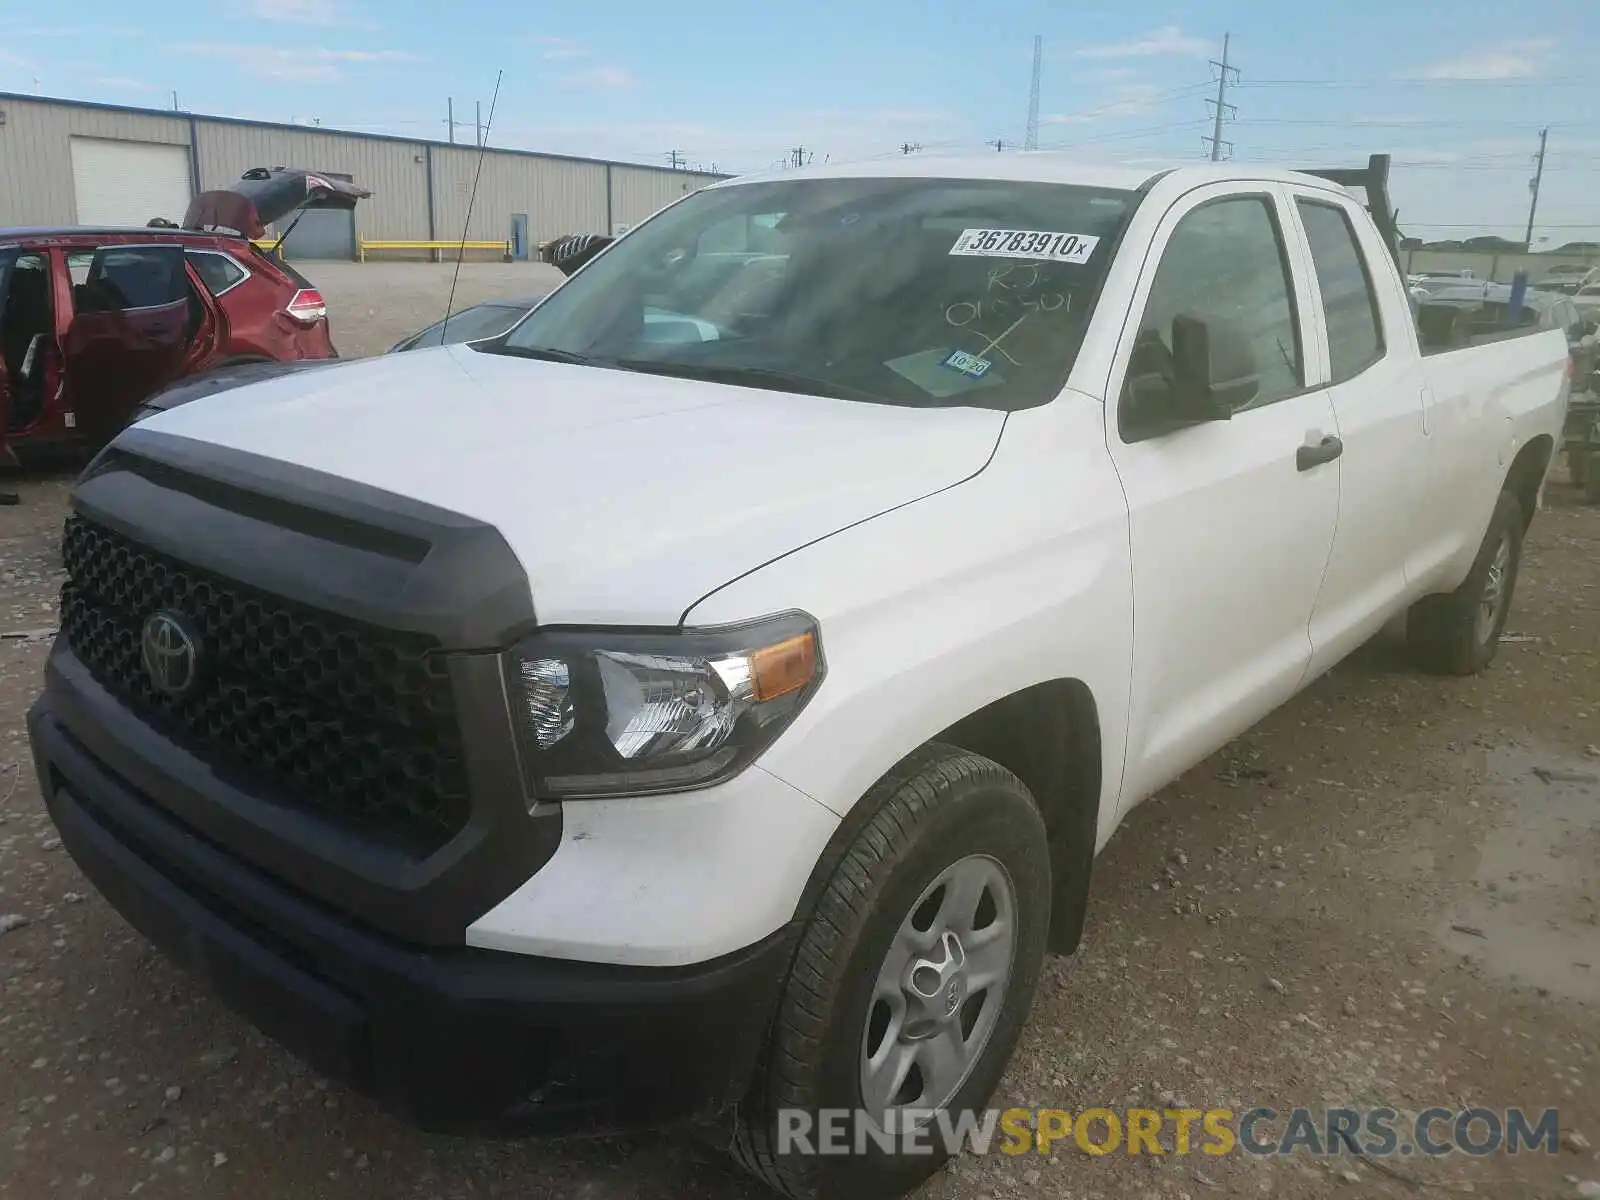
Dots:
pixel 64 162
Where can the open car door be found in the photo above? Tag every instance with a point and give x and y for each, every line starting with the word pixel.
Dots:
pixel 8 260
pixel 132 322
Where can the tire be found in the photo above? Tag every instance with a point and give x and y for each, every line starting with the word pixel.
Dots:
pixel 942 817
pixel 1458 633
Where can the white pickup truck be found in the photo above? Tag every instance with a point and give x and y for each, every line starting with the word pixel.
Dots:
pixel 707 699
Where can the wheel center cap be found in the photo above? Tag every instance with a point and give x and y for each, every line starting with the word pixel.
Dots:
pixel 954 993
pixel 938 980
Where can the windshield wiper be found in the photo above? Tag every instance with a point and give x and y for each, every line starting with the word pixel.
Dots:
pixel 544 353
pixel 765 377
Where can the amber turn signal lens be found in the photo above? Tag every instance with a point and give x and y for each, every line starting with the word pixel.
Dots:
pixel 786 667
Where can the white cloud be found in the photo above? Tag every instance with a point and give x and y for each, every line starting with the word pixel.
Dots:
pixel 283 63
pixel 15 60
pixel 1508 60
pixel 297 12
pixel 556 48
pixel 1114 74
pixel 1130 100
pixel 605 79
pixel 1169 40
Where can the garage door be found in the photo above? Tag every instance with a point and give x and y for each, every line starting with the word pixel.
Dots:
pixel 321 233
pixel 127 183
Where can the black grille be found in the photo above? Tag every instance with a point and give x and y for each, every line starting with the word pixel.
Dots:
pixel 306 708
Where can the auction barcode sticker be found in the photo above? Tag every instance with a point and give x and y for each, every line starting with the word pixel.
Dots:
pixel 1025 243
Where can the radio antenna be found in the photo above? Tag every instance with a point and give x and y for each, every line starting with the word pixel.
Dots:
pixel 461 246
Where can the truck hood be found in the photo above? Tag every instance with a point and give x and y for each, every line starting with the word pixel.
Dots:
pixel 626 497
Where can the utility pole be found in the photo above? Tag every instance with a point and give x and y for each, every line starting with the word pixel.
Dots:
pixel 910 147
pixel 1533 187
pixel 175 100
pixel 450 118
pixel 798 156
pixel 675 157
pixel 1031 141
pixel 1224 110
pixel 479 104
pixel 998 143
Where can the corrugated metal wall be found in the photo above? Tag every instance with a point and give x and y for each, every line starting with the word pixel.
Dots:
pixel 636 192
pixel 36 156
pixel 559 195
pixel 389 170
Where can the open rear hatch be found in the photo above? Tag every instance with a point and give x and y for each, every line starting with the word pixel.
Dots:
pixel 262 196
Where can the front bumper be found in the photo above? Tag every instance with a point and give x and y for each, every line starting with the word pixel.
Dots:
pixel 456 1039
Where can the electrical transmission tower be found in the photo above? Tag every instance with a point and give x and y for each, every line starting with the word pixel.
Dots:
pixel 1226 74
pixel 1031 141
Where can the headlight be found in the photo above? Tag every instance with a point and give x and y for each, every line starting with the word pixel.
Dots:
pixel 605 714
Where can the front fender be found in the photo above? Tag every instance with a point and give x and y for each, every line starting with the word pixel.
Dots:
pixel 928 613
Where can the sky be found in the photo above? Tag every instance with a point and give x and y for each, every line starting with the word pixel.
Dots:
pixel 1459 102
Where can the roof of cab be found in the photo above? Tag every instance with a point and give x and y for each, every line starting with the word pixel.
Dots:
pixel 1038 166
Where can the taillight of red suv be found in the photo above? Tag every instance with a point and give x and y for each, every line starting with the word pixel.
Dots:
pixel 307 306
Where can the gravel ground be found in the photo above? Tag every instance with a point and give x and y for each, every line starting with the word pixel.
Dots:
pixel 1388 893
pixel 371 306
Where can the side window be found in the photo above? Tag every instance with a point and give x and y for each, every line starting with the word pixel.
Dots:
pixel 123 278
pixel 1224 271
pixel 1355 329
pixel 217 271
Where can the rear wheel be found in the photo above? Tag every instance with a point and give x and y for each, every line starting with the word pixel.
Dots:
pixel 911 981
pixel 1458 633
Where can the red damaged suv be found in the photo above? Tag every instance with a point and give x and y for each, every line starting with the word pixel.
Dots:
pixel 92 321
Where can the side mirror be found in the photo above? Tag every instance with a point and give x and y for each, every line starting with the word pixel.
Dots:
pixel 1206 376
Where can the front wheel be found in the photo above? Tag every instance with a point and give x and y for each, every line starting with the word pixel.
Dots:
pixel 910 985
pixel 1458 633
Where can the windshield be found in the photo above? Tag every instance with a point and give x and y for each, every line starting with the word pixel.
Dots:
pixel 911 292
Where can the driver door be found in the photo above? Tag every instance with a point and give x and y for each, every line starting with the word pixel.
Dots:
pixel 131 328
pixel 1231 526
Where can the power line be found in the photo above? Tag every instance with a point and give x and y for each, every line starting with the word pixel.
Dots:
pixel 1533 187
pixel 1224 110
pixel 1031 141
pixel 1559 80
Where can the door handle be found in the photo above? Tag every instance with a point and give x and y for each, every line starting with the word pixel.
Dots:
pixel 1324 451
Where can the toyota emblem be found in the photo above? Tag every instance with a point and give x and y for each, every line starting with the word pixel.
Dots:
pixel 170 652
